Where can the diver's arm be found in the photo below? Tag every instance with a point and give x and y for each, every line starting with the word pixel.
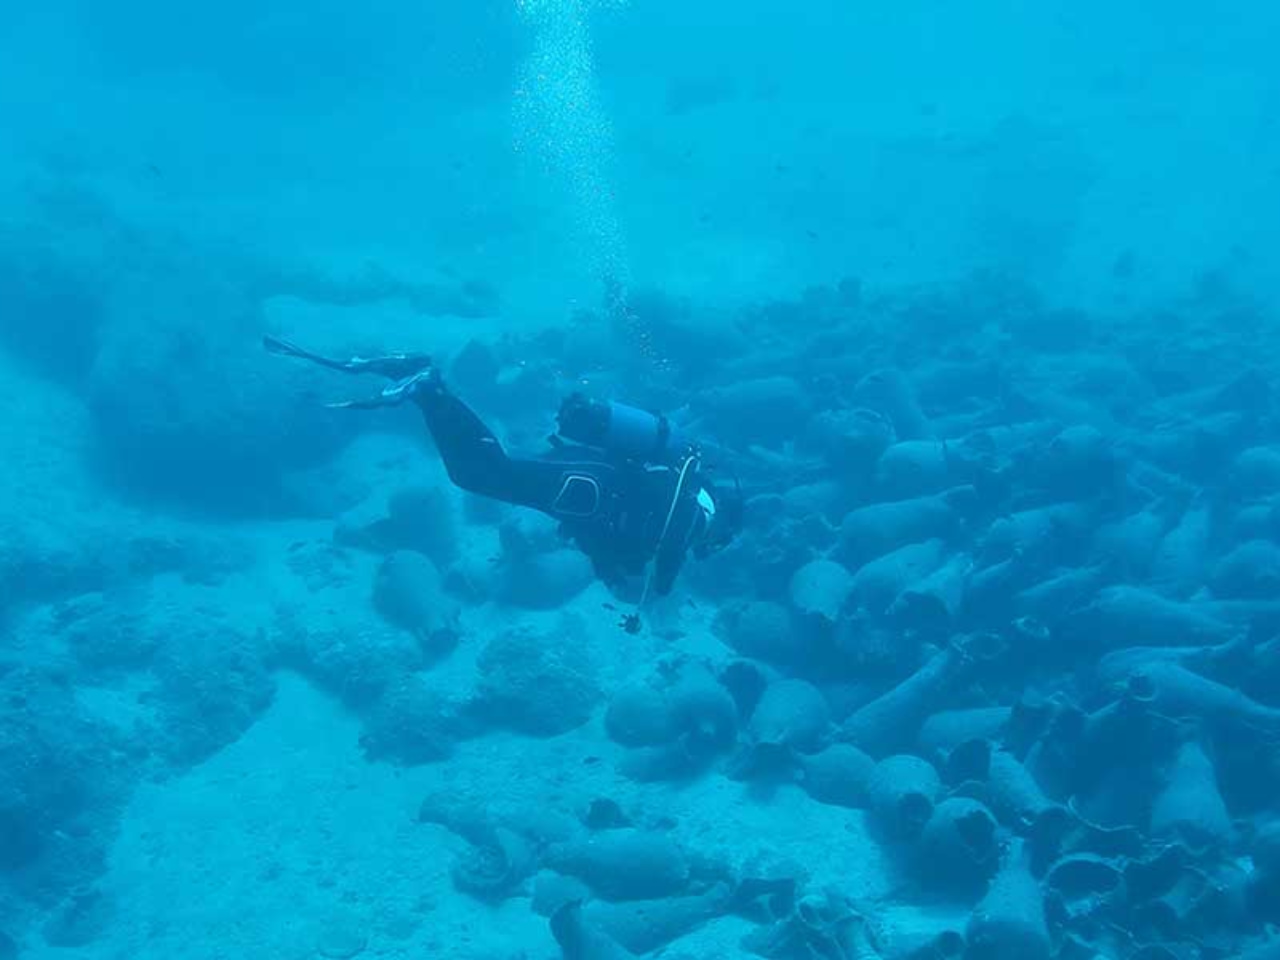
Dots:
pixel 683 525
pixel 665 570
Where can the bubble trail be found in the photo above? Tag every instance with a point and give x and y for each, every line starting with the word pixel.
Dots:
pixel 561 126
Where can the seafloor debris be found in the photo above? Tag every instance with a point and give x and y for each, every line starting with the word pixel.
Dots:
pixel 1006 601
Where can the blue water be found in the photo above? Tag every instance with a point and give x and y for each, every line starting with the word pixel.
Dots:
pixel 976 302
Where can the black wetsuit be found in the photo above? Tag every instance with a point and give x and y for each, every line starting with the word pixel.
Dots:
pixel 616 511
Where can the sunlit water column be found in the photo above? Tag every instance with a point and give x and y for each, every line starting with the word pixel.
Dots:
pixel 561 126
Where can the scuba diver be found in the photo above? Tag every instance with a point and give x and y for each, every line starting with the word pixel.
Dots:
pixel 625 486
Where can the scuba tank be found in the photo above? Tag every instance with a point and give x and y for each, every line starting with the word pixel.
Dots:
pixel 621 431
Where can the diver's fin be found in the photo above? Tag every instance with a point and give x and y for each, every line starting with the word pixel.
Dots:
pixel 394 366
pixel 368 403
pixel 284 348
pixel 395 394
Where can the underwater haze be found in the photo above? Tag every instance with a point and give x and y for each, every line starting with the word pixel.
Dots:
pixel 973 310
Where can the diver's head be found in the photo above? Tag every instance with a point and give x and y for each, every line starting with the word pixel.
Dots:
pixel 724 519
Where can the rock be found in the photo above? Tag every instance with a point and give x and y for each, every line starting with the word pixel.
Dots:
pixel 821 588
pixel 213 685
pixel 1264 849
pixel 419 518
pixel 106 635
pixel 933 603
pixel 1172 690
pixel 676 723
pixel 222 429
pixel 958 849
pixel 1051 600
pixel 58 776
pixel 839 775
pixel 627 864
pixel 1249 572
pixel 867 650
pixel 544 581
pixel 902 794
pixel 579 940
pixel 914 468
pixel 913 933
pixel 763 411
pixel 767 883
pixel 472 579
pixel 1256 473
pixel 1017 798
pixel 422 518
pixel 408 593
pixel 54 308
pixel 81 919
pixel 1082 881
pixel 853 440
pixel 1190 807
pixel 948 729
pixel 639 715
pixel 59 536
pixel 703 712
pixel 879 583
pixel 876 529
pixel 551 891
pixel 807 506
pixel 1079 462
pixel 760 629
pixel 1125 616
pixel 493 866
pixel 791 715
pixel 355 662
pixel 1268 948
pixel 822 924
pixel 643 926
pixel 893 720
pixel 1038 536
pixel 542 684
pixel 412 723
pixel 1129 546
pixel 888 392
pixel 1010 920
pixel 341 937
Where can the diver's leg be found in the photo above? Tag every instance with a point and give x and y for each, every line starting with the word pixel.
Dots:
pixel 476 462
pixel 394 366
pixel 471 453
